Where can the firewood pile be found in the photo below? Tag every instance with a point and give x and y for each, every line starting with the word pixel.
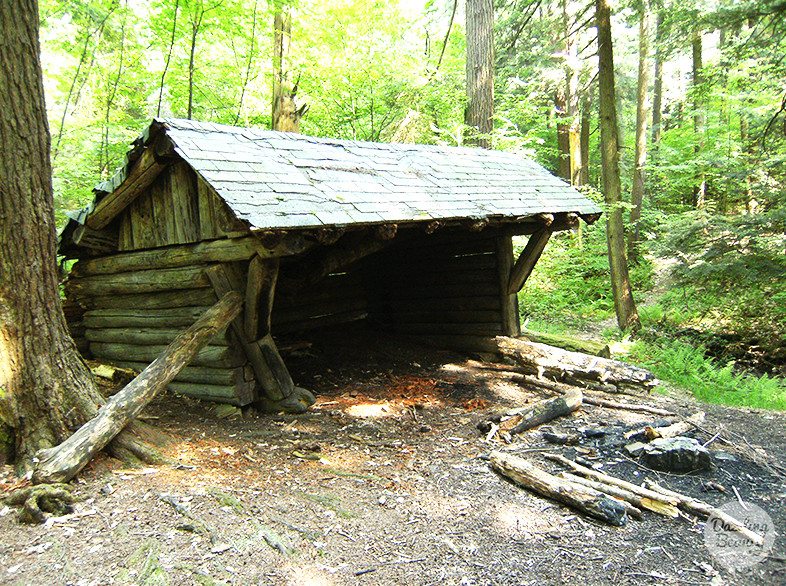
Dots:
pixel 663 444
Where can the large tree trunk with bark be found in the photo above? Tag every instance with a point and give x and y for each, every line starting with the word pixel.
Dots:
pixel 286 114
pixel 479 113
pixel 699 116
pixel 46 391
pixel 627 316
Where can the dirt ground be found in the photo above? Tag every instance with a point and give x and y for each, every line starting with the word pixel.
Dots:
pixel 386 481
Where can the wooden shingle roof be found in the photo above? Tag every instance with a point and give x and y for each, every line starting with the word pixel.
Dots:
pixel 276 180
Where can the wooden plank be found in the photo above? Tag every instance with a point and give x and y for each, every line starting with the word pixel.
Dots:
pixel 142 174
pixel 465 343
pixel 144 336
pixel 142 222
pixel 424 291
pixel 140 318
pixel 510 303
pixel 131 282
pixel 163 220
pixel 213 356
pixel 206 200
pixel 223 250
pixel 260 294
pixel 159 300
pixel 491 302
pixel 125 236
pixel 309 311
pixel 185 204
pixel 527 259
pixel 440 316
pixel 484 260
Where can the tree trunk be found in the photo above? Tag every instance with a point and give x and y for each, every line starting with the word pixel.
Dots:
pixel 637 192
pixel 572 70
pixel 479 112
pixel 657 90
pixel 584 139
pixel 286 114
pixel 699 118
pixel 46 391
pixel 627 316
pixel 563 135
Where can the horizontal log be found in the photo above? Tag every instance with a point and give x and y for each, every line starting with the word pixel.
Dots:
pixel 213 356
pixel 438 290
pixel 440 316
pixel 291 314
pixel 148 281
pixel 198 374
pixel 638 501
pixel 223 250
pixel 442 279
pixel 160 300
pixel 578 497
pixel 139 318
pixel 425 263
pixel 571 343
pixel 479 329
pixel 144 336
pixel 487 302
pixel 240 394
pixel 543 359
pixel 463 343
pixel 543 411
pixel 320 322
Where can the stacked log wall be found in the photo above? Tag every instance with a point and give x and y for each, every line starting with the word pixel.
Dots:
pixel 131 316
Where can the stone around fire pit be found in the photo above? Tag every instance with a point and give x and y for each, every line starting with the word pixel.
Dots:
pixel 677 454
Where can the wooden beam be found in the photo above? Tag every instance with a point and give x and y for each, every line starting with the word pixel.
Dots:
pixel 510 302
pixel 527 259
pixel 139 178
pixel 149 281
pixel 260 291
pixel 269 368
pixel 223 250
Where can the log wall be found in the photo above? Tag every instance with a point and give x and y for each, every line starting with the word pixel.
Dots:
pixel 127 318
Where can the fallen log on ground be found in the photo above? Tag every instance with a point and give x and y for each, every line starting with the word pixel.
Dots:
pixel 541 359
pixel 63 462
pixel 568 343
pixel 584 499
pixel 706 510
pixel 537 414
pixel 677 429
pixel 638 501
pixel 584 471
pixel 564 388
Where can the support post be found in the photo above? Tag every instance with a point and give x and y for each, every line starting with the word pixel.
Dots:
pixel 527 260
pixel 509 303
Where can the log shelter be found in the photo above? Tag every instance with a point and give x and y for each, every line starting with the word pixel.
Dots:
pixel 416 239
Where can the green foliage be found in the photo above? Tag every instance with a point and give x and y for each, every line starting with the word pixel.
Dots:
pixel 687 366
pixel 571 284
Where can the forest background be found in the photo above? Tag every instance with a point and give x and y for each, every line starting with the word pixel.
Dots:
pixel 701 81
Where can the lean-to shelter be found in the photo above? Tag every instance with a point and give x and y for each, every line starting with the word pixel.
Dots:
pixel 416 239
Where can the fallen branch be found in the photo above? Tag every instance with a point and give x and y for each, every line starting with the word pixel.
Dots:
pixel 703 509
pixel 635 500
pixel 677 429
pixel 579 497
pixel 533 415
pixel 63 462
pixel 650 494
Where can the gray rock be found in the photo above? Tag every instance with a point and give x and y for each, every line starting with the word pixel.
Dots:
pixel 677 454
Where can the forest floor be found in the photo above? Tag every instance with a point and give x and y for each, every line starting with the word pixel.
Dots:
pixel 385 481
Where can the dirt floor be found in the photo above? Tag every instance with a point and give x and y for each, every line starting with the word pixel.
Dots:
pixel 386 481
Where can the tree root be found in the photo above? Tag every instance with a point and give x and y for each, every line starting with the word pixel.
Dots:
pixel 36 501
pixel 138 444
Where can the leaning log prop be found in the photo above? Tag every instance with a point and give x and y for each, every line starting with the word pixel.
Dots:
pixel 579 497
pixel 63 462
pixel 574 367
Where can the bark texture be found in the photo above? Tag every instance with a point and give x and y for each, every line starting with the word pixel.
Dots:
pixel 46 390
pixel 625 308
pixel 479 113
pixel 286 114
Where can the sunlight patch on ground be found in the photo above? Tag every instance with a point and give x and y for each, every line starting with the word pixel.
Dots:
pixel 306 576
